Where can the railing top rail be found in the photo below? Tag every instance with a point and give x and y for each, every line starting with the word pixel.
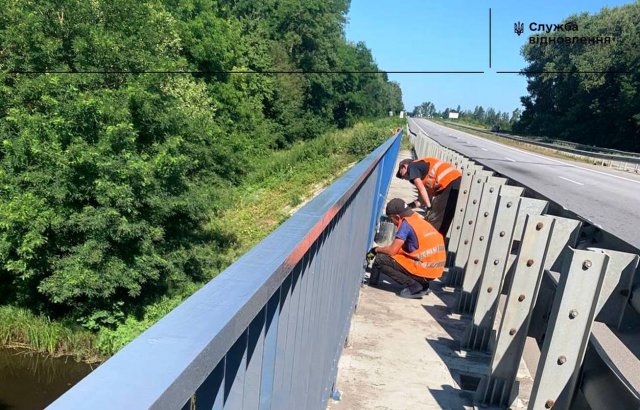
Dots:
pixel 166 364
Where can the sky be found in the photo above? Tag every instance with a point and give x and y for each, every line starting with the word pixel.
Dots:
pixel 453 35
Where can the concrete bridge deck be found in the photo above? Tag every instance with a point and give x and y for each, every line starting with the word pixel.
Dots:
pixel 404 353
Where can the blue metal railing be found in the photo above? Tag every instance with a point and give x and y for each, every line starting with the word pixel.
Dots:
pixel 268 331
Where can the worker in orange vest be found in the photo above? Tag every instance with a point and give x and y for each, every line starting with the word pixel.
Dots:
pixel 415 257
pixel 438 185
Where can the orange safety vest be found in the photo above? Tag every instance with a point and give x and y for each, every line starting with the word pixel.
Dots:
pixel 440 174
pixel 429 259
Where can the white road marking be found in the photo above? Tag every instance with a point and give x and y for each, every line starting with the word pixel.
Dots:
pixel 484 149
pixel 550 159
pixel 571 180
pixel 510 159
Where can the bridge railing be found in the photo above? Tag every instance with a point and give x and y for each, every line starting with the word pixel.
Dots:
pixel 268 331
pixel 534 292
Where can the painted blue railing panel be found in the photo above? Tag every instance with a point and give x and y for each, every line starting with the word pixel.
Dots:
pixel 268 331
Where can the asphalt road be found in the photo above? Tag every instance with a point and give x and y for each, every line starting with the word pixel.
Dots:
pixel 606 199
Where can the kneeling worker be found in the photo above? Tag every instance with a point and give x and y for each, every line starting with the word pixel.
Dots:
pixel 415 257
pixel 437 180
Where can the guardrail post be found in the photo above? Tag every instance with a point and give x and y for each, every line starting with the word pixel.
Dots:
pixel 479 332
pixel 456 272
pixel 432 146
pixel 468 171
pixel 510 190
pixel 574 309
pixel 457 161
pixel 498 387
pixel 424 145
pixel 460 163
pixel 450 156
pixel 528 206
pixel 479 243
pixel 618 284
pixel 565 234
pixel 418 141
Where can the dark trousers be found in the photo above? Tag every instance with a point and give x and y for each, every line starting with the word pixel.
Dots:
pixel 387 265
pixel 443 207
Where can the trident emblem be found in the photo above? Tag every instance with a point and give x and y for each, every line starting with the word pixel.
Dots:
pixel 518 28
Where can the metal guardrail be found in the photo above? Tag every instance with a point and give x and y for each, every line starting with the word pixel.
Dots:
pixel 520 275
pixel 611 160
pixel 268 331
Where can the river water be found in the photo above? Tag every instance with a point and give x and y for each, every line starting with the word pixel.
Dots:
pixel 33 381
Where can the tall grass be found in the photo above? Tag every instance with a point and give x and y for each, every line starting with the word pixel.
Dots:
pixel 21 328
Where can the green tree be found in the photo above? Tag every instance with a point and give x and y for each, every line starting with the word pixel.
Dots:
pixel 596 92
pixel 108 180
pixel 426 109
pixel 479 114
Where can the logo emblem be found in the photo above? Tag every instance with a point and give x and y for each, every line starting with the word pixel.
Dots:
pixel 518 28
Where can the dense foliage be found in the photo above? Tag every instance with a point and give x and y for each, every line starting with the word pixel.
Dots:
pixel 109 182
pixel 600 105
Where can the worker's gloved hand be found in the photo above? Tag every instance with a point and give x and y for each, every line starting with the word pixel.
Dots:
pixel 372 253
pixel 423 211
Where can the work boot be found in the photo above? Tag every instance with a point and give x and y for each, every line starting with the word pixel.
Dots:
pixel 414 291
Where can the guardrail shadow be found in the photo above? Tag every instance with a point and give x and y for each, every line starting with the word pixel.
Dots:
pixel 450 397
pixel 465 368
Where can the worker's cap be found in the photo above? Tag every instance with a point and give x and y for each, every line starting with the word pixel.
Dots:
pixel 403 162
pixel 397 207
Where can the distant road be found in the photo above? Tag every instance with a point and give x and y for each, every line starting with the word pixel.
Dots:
pixel 606 199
